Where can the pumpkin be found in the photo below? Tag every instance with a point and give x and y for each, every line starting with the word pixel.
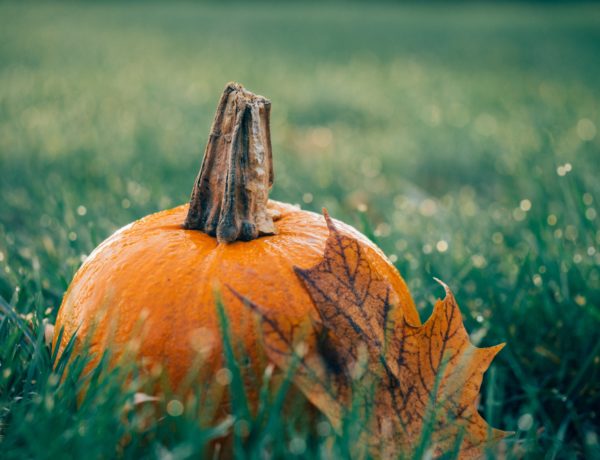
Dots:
pixel 155 281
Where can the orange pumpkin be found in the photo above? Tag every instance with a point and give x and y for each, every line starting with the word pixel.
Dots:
pixel 154 281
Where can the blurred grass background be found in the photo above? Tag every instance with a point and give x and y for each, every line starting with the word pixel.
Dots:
pixel 463 139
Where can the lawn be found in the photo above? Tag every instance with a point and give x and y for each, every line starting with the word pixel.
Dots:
pixel 463 140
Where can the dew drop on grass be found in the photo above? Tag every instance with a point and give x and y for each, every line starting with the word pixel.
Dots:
pixel 428 207
pixel 49 403
pixel 590 214
pixel 563 170
pixel 53 379
pixel 586 130
pixel 591 439
pixel 223 376
pixel 307 198
pixel 518 214
pixel 323 428
pixel 478 261
pixel 441 246
pixel 297 445
pixel 525 422
pixel 383 230
pixel 525 205
pixel 571 232
pixel 174 408
pixel 401 245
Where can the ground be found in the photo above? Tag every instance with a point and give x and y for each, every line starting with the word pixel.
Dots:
pixel 463 140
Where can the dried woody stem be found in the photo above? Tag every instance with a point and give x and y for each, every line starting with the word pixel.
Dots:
pixel 230 196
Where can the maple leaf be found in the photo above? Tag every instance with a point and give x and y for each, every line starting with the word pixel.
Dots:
pixel 414 383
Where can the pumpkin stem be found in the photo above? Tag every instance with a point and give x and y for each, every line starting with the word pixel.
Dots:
pixel 230 196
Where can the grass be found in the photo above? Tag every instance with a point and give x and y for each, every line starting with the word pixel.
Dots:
pixel 463 139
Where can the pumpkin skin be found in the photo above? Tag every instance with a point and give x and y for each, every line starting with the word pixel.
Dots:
pixel 154 282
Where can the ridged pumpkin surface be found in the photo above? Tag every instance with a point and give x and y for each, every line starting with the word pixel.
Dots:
pixel 154 282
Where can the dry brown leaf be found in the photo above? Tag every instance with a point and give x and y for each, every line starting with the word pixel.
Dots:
pixel 411 381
